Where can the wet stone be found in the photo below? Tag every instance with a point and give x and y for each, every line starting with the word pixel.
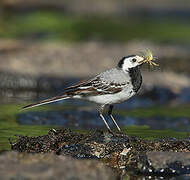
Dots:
pixel 165 163
pixel 117 150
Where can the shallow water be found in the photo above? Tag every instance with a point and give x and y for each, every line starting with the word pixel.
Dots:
pixel 149 122
pixel 159 108
pixel 83 119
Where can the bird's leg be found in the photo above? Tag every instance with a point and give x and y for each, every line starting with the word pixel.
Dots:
pixel 110 114
pixel 101 109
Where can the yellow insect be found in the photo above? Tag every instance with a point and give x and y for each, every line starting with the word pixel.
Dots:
pixel 148 58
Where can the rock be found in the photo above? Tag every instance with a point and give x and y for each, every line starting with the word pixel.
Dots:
pixel 26 86
pixel 105 7
pixel 22 75
pixel 16 165
pixel 185 95
pixel 117 150
pixel 77 59
pixel 165 163
pixel 78 145
pixel 154 89
pixel 22 61
pixel 160 95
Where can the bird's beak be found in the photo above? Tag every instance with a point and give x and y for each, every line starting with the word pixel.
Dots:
pixel 142 61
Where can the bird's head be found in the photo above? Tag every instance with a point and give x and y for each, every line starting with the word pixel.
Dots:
pixel 132 61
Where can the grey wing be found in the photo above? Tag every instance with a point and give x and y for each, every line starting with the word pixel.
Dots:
pixel 106 87
pixel 108 82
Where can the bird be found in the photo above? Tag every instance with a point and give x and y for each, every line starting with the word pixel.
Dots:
pixel 108 88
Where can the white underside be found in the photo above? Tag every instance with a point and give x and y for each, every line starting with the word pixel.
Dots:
pixel 109 98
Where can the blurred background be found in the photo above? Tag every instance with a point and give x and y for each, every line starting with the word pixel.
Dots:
pixel 47 45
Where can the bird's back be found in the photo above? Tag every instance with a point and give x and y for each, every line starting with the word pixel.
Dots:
pixel 115 75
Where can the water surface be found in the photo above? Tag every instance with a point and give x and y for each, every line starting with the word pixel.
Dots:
pixel 143 122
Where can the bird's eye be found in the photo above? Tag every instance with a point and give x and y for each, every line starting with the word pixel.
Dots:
pixel 134 60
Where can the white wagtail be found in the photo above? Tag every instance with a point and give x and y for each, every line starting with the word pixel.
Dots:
pixel 109 87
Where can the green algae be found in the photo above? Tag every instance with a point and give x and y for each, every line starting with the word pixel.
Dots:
pixel 178 111
pixel 146 132
pixel 51 25
pixel 9 126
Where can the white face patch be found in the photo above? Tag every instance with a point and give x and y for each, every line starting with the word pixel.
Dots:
pixel 132 61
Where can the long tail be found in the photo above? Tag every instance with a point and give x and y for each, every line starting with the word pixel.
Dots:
pixel 46 101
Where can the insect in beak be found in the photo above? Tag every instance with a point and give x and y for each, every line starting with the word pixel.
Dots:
pixel 148 58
